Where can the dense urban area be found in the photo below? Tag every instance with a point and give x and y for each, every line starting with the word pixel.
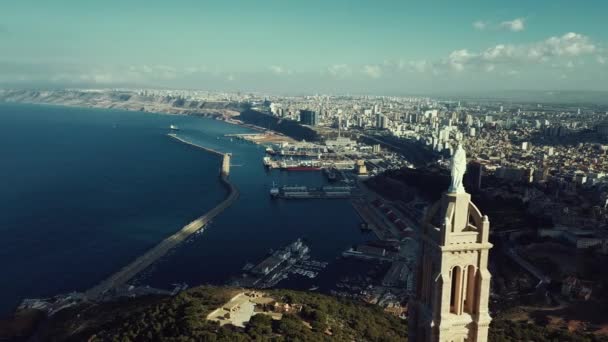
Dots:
pixel 538 170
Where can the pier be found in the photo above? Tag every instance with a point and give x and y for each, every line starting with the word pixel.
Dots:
pixel 152 255
pixel 174 136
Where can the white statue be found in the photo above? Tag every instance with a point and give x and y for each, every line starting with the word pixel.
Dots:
pixel 459 167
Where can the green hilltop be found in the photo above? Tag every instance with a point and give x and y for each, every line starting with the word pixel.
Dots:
pixel 308 317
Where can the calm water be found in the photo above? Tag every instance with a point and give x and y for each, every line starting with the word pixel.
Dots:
pixel 85 191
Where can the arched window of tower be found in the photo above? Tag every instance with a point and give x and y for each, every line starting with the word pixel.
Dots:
pixel 471 290
pixel 456 290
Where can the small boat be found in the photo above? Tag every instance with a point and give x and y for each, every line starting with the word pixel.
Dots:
pixel 174 128
pixel 274 191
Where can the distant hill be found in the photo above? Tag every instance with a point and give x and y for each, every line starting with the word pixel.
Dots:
pixel 125 100
pixel 310 317
pixel 534 96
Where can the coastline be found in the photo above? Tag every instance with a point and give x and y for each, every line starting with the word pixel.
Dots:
pixel 148 258
pixel 170 111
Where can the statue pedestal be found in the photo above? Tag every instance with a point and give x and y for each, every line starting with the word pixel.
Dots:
pixel 456 207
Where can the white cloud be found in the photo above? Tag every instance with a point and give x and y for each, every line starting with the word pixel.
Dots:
pixel 499 53
pixel 93 76
pixel 111 75
pixel 144 68
pixel 276 69
pixel 480 25
pixel 515 25
pixel 420 65
pixel 570 45
pixel 162 72
pixel 373 71
pixel 279 70
pixel 339 70
pixel 195 69
pixel 459 58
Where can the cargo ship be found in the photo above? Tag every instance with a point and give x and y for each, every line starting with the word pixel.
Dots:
pixel 302 151
pixel 299 165
pixel 294 192
pixel 303 168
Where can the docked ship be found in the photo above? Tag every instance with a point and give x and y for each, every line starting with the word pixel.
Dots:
pixel 302 149
pixel 293 192
pixel 267 162
pixel 303 168
pixel 299 165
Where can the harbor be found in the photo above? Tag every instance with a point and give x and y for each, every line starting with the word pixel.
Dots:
pixel 186 187
pixel 333 156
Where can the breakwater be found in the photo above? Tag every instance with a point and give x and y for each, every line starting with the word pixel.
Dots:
pixel 152 255
pixel 210 150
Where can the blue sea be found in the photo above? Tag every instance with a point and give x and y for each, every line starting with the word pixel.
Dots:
pixel 85 191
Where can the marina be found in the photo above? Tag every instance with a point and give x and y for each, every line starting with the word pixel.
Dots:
pixel 278 265
pixel 332 156
pixel 307 164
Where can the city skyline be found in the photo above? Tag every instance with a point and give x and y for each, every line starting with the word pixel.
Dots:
pixel 313 47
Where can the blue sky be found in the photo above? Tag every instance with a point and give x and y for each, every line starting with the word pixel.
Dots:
pixel 289 46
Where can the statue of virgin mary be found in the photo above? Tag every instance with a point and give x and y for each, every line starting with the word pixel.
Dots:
pixel 458 167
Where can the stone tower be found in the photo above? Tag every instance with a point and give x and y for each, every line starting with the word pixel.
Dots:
pixel 453 281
